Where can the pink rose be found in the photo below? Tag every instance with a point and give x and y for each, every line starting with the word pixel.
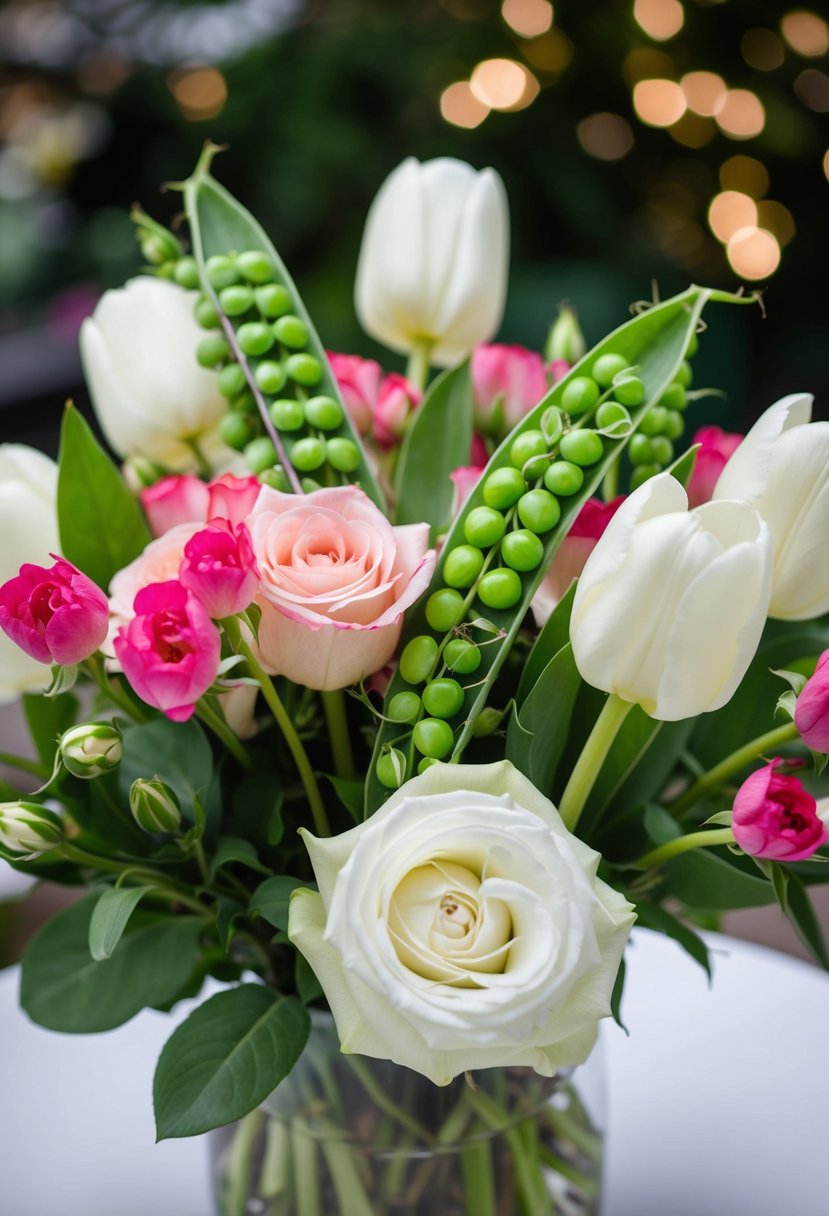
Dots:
pixel 56 615
pixel 336 578
pixel 557 370
pixel 507 382
pixel 775 817
pixel 395 401
pixel 717 447
pixel 160 562
pixel 185 499
pixel 811 712
pixel 464 480
pixel 572 555
pixel 359 383
pixel 232 498
pixel 220 569
pixel 170 649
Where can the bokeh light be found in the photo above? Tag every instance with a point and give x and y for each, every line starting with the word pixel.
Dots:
pixel 705 92
pixel 826 164
pixel 660 19
pixel 805 32
pixel 529 18
pixel 503 84
pixel 812 87
pixel 659 103
pixel 200 92
pixel 777 220
pixel 746 174
pixel 753 254
pixel 730 212
pixel 605 136
pixel 741 115
pixel 762 49
pixel 646 63
pixel 460 106
pixel 550 52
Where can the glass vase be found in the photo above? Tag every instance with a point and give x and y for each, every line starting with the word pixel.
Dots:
pixel 352 1136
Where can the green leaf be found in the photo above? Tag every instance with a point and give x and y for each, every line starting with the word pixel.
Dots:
pixel 794 901
pixel 47 719
pixel 271 898
pixel 257 809
pixel 228 911
pixel 226 1058
pixel 177 752
pixel 554 634
pixel 109 918
pixel 350 794
pixel 307 985
pixel 704 880
pixel 616 997
pixel 101 525
pixel 651 916
pixel 64 988
pixel 659 824
pixel 437 442
pixel 537 732
pixel 234 849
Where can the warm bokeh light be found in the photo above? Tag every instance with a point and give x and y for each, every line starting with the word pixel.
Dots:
pixel 762 49
pixel 460 106
pixel 605 136
pixel 660 19
pixel 729 213
pixel 746 174
pixel 805 32
pixel 551 52
pixel 705 92
pixel 646 63
pixel 659 102
pixel 693 131
pixel 200 92
pixel 529 18
pixel 742 115
pixel 812 87
pixel 826 164
pixel 503 84
pixel 753 253
pixel 777 220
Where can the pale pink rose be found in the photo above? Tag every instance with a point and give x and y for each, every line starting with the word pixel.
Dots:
pixel 160 562
pixel 219 568
pixel 359 384
pixel 775 817
pixel 507 382
pixel 175 500
pixel 717 446
pixel 811 712
pixel 572 555
pixel 54 614
pixel 232 498
pixel 336 578
pixel 396 400
pixel 169 651
pixel 238 706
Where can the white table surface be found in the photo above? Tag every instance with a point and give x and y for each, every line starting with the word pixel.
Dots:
pixel 718 1100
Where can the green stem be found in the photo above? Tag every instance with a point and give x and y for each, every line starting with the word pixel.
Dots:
pixel 333 703
pixel 417 369
pixel 111 689
pixel 683 844
pixel 610 485
pixel 762 745
pixel 381 1099
pixel 593 755
pixel 214 718
pixel 92 861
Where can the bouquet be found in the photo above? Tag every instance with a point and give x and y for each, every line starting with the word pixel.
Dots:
pixel 401 697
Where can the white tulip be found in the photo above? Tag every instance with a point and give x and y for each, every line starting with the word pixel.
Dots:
pixel 782 469
pixel 462 927
pixel 150 395
pixel 29 528
pixel 433 262
pixel 671 603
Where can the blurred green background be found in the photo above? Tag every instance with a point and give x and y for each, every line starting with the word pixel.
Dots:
pixel 649 143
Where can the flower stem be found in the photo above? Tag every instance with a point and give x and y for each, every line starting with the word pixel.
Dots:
pixel 417 369
pixel 593 756
pixel 111 689
pixel 732 764
pixel 214 718
pixel 334 705
pixel 683 844
pixel 382 1100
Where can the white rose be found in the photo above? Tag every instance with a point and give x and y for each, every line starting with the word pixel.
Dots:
pixel 150 395
pixel 462 927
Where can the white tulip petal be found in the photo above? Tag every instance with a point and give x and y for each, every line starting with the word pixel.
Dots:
pixel 745 476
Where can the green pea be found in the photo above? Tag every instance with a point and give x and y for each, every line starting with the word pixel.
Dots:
pixel 685 375
pixel 563 478
pixel 693 346
pixel 462 656
pixel 260 454
pixel 674 425
pixel 308 454
pixel 484 527
pixel 287 414
pixel 244 403
pixel 418 658
pixel 270 376
pixel 674 397
pixel 503 488
pixel 527 445
pixel 443 698
pixel 433 737
pixel 232 380
pixel 579 395
pixel 663 450
pixel 205 313
pixel 613 417
pixel 255 338
pixel 236 300
pixel 212 351
pixel 522 550
pixel 487 722
pixel 607 368
pixel 462 566
pixel 291 331
pixel 425 763
pixel 404 707
pixel 273 301
pixel 343 454
pixel 654 421
pixel 186 273
pixel 643 473
pixel 324 412
pixel 236 430
pixel 304 370
pixel 221 271
pixel 391 768
pixel 276 478
pixel 539 511
pixel 629 390
pixel 444 610
pixel 309 485
pixel 581 447
pixel 500 588
pixel 255 266
pixel 640 450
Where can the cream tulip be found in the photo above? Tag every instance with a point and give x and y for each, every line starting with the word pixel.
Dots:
pixel 671 603
pixel 151 397
pixel 433 262
pixel 782 469
pixel 29 527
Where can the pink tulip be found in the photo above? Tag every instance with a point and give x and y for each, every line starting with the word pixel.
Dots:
pixel 775 817
pixel 811 713
pixel 395 402
pixel 507 382
pixel 220 569
pixel 359 384
pixel 55 615
pixel 573 553
pixel 169 651
pixel 232 498
pixel 185 499
pixel 717 447
pixel 336 578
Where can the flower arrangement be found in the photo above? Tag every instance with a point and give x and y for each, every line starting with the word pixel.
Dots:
pixel 400 696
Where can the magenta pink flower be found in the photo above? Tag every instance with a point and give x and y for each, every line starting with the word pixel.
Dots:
pixel 181 499
pixel 775 817
pixel 811 712
pixel 573 553
pixel 717 447
pixel 220 569
pixel 170 649
pixel 395 401
pixel 56 615
pixel 359 383
pixel 507 382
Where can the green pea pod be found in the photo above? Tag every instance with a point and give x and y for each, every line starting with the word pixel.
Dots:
pixel 655 343
pixel 220 225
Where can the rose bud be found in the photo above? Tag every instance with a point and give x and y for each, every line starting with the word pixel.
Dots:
pixel 154 806
pixel 775 817
pixel 27 830
pixel 57 615
pixel 232 498
pixel 507 382
pixel 716 448
pixel 565 341
pixel 359 384
pixel 464 480
pixel 180 499
pixel 396 400
pixel 220 569
pixel 91 749
pixel 811 711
